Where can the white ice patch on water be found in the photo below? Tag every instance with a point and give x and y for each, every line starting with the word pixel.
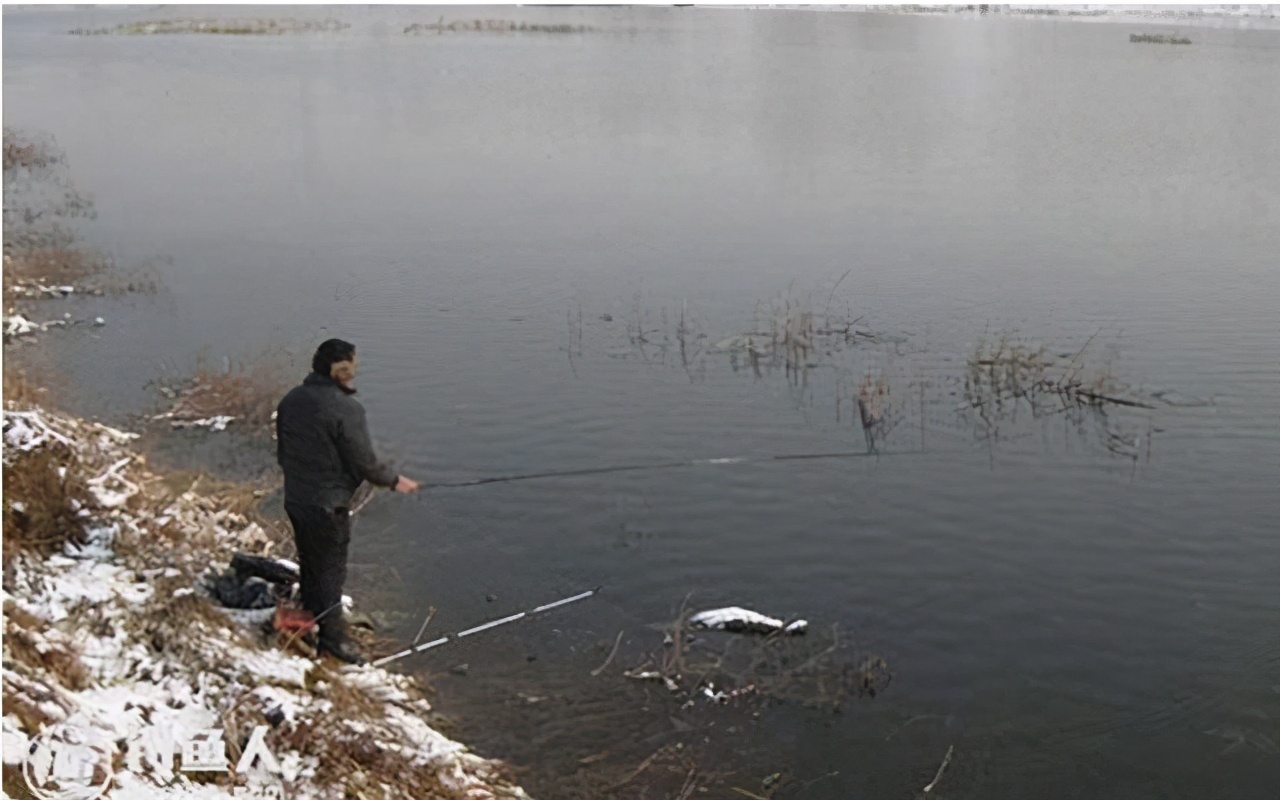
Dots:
pixel 735 618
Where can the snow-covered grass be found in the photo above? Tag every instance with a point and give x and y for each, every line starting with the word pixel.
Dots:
pixel 105 637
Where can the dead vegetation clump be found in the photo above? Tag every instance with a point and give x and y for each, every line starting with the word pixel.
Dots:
pixel 347 753
pixel 492 26
pixel 821 671
pixel 26 386
pixel 226 27
pixel 245 394
pixel 790 332
pixel 878 414
pixel 1010 378
pixel 224 505
pixel 53 481
pixel 50 271
pixel 180 623
pixel 44 488
pixel 44 493
pixel 1013 371
pixel 237 503
pixel 23 152
pixel 32 642
pixel 1158 38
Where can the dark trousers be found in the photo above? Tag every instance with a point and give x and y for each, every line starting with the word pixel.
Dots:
pixel 322 535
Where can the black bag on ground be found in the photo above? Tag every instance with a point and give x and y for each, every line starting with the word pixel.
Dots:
pixel 268 569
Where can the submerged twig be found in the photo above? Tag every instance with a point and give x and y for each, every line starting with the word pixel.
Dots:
pixel 431 612
pixel 941 769
pixel 826 312
pixel 596 672
pixel 916 718
pixel 644 765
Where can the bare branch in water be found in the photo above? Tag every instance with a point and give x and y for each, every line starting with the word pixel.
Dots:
pixel 941 769
pixel 596 672
pixel 431 612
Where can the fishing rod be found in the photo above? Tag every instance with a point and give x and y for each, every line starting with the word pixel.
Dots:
pixel 695 462
pixel 452 637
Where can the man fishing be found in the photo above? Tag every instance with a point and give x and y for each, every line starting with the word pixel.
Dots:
pixel 324 449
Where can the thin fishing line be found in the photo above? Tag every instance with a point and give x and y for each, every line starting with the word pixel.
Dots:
pixel 696 462
pixel 562 575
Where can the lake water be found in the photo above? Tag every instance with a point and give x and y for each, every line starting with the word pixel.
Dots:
pixel 1083 605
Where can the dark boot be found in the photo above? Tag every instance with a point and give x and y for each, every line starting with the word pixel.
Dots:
pixel 342 649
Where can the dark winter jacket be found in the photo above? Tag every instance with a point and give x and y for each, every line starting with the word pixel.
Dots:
pixel 323 445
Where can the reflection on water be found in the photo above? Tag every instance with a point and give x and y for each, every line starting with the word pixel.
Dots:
pixel 691 234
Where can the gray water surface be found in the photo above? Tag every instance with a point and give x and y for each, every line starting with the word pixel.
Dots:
pixel 468 208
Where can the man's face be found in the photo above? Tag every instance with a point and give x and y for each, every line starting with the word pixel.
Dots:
pixel 344 372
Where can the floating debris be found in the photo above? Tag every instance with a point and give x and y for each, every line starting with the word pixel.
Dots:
pixel 1158 38
pixel 741 620
pixel 41 291
pixel 217 423
pixel 817 670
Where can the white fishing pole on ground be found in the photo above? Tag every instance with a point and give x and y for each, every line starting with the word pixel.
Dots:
pixel 486 626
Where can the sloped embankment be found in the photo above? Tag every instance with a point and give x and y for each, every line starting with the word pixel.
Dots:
pixel 107 637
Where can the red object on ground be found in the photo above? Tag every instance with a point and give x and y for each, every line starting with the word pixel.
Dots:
pixel 294 621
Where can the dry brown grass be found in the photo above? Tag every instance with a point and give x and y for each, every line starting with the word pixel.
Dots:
pixel 242 500
pixel 51 265
pixel 14 784
pixel 347 758
pixel 174 627
pixel 27 386
pixel 1010 372
pixel 38 511
pixel 249 391
pixel 25 643
pixel 35 702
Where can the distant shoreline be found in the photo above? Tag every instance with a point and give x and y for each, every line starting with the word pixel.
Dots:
pixel 1259 17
